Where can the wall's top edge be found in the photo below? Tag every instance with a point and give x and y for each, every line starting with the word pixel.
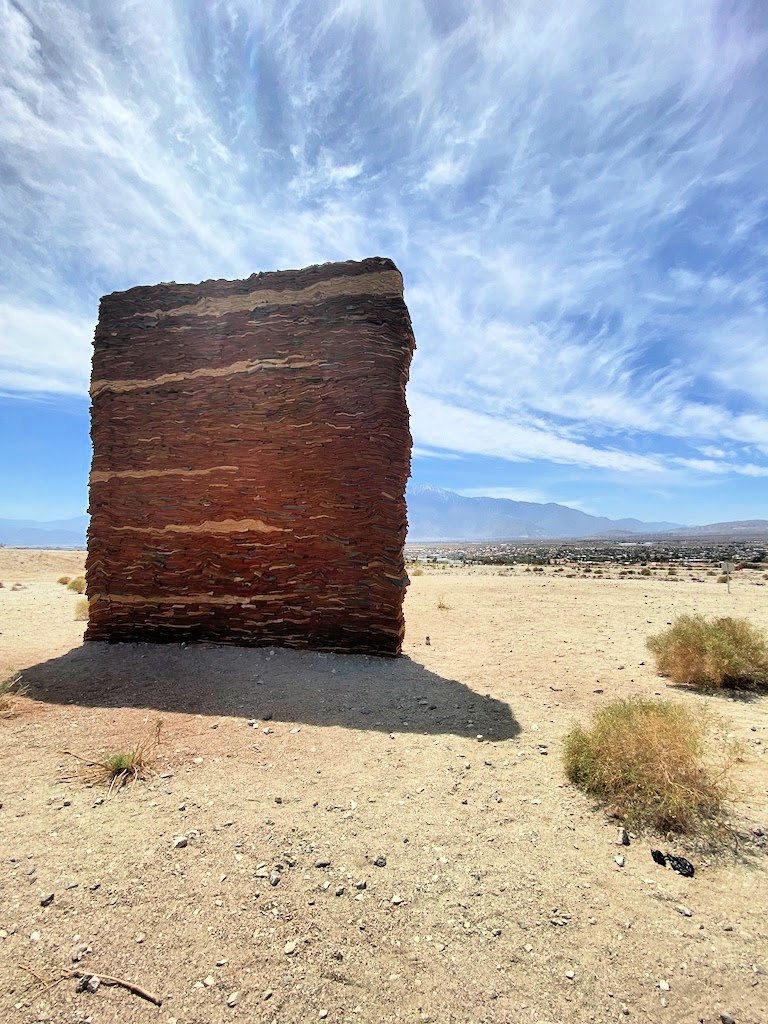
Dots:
pixel 276 280
pixel 366 292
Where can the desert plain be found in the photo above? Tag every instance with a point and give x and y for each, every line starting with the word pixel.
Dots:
pixel 362 840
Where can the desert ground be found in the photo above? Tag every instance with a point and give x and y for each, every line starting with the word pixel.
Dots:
pixel 359 840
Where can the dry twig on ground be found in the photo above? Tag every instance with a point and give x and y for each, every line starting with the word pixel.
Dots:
pixel 105 979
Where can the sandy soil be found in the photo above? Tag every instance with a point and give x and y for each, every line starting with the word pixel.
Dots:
pixel 500 899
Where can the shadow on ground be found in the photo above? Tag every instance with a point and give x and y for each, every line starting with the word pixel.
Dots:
pixel 737 695
pixel 353 691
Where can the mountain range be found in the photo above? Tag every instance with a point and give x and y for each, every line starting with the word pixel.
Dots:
pixel 436 514
pixel 56 533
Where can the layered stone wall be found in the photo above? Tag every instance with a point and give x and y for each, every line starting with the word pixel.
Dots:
pixel 251 450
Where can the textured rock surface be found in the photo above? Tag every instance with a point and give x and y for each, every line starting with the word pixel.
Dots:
pixel 251 450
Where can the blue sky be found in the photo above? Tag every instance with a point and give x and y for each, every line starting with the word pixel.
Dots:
pixel 574 191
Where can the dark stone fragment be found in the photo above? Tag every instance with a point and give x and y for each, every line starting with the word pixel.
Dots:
pixel 681 865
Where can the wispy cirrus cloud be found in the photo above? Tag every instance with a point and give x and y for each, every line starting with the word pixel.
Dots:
pixel 442 424
pixel 43 351
pixel 418 452
pixel 574 193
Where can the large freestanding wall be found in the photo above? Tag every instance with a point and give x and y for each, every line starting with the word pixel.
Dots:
pixel 251 451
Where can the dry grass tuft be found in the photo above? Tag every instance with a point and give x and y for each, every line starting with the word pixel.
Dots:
pixel 10 689
pixel 442 604
pixel 661 765
pixel 118 768
pixel 81 610
pixel 77 585
pixel 711 654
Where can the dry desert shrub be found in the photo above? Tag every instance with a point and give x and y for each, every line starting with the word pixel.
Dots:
pixel 656 762
pixel 81 610
pixel 77 585
pixel 726 651
pixel 417 572
pixel 10 689
pixel 116 769
pixel 64 580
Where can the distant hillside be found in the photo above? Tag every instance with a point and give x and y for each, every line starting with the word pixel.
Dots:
pixel 746 528
pixel 58 533
pixel 436 514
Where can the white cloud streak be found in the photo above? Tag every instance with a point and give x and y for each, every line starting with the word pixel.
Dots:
pixel 43 351
pixel 442 425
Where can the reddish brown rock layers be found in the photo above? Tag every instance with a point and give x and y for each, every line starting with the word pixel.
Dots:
pixel 251 450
